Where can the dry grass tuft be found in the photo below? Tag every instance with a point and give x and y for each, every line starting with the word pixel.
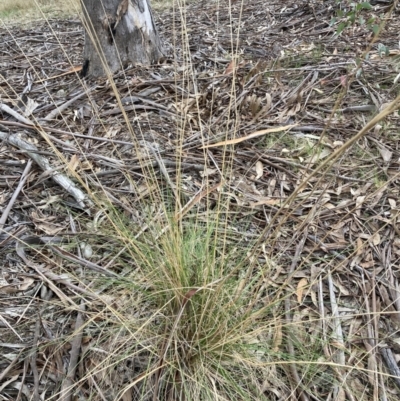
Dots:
pixel 26 11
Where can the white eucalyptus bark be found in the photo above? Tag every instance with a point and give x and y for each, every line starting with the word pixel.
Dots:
pixel 118 33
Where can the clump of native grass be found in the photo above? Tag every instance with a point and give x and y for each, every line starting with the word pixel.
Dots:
pixel 192 317
pixel 20 11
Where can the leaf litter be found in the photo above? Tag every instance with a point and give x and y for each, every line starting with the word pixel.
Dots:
pixel 286 93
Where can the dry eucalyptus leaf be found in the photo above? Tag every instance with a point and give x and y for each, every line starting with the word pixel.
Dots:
pixel 300 289
pixel 30 107
pixel 73 163
pixel 87 250
pixel 319 156
pixel 375 239
pixel 207 172
pixel 259 170
pixel 385 153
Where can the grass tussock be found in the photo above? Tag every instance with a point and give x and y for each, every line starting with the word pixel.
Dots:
pixel 20 11
pixel 233 272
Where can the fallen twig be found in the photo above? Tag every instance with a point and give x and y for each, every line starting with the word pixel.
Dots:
pixel 33 362
pixel 7 210
pixel 293 370
pixel 59 109
pixel 60 179
pixel 16 115
pixel 67 386
pixel 391 364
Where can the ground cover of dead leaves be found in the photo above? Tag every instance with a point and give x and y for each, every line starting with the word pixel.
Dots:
pixel 291 71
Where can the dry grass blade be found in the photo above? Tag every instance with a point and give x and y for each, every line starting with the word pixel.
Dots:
pixel 250 136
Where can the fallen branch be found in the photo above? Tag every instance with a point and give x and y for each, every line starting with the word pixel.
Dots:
pixel 59 109
pixel 16 115
pixel 83 201
pixel 7 210
pixel 391 364
pixel 50 278
pixel 68 384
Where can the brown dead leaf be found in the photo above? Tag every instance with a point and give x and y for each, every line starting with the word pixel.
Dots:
pixel 196 199
pixel 300 289
pixel 360 247
pixel 12 288
pixel 230 68
pixel 277 341
pixel 73 163
pixel 265 201
pixel 127 396
pixel 250 136
pixel 49 229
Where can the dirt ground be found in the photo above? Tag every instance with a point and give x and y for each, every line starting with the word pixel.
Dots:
pixel 283 66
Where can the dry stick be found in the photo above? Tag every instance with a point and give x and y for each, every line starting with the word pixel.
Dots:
pixel 58 110
pixel 59 178
pixel 62 180
pixel 166 175
pixel 337 331
pixel 16 115
pixel 50 277
pixel 62 132
pixel 83 262
pixel 41 272
pixel 67 386
pixel 326 350
pixel 7 210
pixel 4 373
pixel 33 361
pixel 375 340
pixel 293 369
pixel 370 344
pixel 391 364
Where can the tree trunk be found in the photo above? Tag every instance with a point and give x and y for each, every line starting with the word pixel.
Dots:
pixel 118 32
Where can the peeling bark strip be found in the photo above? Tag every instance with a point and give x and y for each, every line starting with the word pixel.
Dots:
pixel 117 33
